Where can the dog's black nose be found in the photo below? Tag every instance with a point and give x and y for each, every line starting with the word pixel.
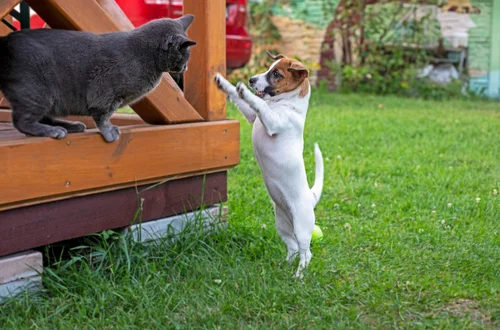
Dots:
pixel 252 80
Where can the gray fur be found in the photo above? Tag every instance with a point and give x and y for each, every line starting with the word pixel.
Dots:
pixel 47 73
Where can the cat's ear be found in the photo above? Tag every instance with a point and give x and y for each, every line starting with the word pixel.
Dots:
pixel 186 21
pixel 187 43
pixel 178 41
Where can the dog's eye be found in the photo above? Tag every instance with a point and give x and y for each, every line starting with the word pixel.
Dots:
pixel 275 73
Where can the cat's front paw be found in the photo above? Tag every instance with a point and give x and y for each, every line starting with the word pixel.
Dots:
pixel 111 133
pixel 57 132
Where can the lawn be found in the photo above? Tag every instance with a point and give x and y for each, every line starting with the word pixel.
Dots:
pixel 410 213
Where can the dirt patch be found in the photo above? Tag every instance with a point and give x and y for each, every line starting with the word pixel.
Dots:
pixel 467 307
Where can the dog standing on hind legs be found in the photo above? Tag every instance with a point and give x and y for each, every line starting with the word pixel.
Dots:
pixel 278 112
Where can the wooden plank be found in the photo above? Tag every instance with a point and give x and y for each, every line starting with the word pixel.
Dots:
pixel 208 57
pixel 6 127
pixel 119 119
pixel 165 105
pixel 4 29
pixel 117 14
pixel 6 7
pixel 5 116
pixel 82 163
pixel 4 104
pixel 34 226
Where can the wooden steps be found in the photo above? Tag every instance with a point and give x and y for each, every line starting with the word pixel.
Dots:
pixel 36 170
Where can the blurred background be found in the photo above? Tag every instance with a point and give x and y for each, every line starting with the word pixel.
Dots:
pixel 435 49
pixel 431 48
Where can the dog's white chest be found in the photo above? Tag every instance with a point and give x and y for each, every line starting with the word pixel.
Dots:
pixel 281 162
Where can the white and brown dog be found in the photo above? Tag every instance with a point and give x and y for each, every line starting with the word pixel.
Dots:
pixel 278 114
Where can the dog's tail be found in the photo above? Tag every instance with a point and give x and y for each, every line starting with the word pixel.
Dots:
pixel 317 188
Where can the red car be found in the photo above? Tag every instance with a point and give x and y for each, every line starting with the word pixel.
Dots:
pixel 238 42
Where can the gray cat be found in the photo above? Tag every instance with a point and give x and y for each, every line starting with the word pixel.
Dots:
pixel 47 73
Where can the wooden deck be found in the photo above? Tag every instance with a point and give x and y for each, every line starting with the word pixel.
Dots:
pixel 36 170
pixel 181 144
pixel 54 190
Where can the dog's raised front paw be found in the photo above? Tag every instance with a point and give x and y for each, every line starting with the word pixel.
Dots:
pixel 241 88
pixel 222 83
pixel 218 80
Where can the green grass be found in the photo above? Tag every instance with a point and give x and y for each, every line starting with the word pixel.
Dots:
pixel 406 243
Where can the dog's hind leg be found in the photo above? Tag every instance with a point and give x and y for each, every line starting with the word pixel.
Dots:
pixel 285 230
pixel 303 225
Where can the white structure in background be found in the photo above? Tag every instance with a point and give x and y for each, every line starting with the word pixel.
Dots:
pixel 455 28
pixel 442 74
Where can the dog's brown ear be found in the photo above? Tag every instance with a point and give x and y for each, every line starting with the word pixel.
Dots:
pixel 275 57
pixel 298 70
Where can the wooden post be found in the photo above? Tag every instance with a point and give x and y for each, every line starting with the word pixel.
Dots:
pixel 207 58
pixel 4 29
pixel 113 10
pixel 6 6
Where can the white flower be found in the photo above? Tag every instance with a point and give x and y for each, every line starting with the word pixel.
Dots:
pixel 433 211
pixel 373 205
pixel 449 204
pixel 375 184
pixel 495 192
pixel 218 281
pixel 359 205
pixel 347 226
pixel 263 226
pixel 339 157
pixel 443 222
pixel 420 230
pixel 478 200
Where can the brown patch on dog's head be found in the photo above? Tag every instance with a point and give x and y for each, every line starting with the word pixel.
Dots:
pixel 287 75
pixel 275 57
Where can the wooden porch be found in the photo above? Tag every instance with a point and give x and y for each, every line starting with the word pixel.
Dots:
pixel 180 144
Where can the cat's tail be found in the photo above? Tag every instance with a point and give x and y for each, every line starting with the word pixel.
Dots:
pixel 317 188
